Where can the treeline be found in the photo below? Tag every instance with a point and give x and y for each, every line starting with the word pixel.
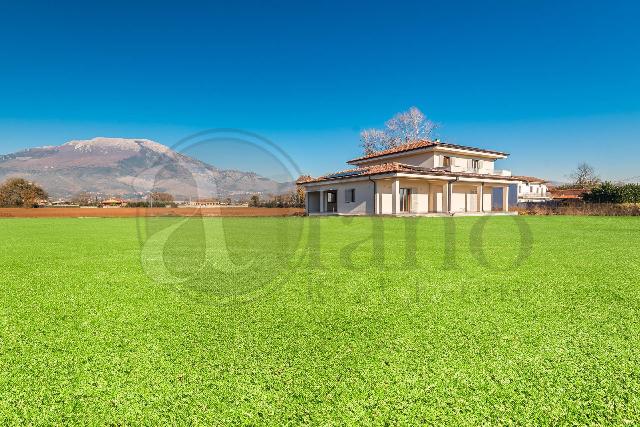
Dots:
pixel 155 204
pixel 609 192
pixel 294 199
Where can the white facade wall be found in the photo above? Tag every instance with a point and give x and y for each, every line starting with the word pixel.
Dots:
pixel 460 163
pixel 438 198
pixel 537 189
pixel 385 197
pixel 424 160
pixel 488 199
pixel 364 198
pixel 434 159
pixel 363 192
pixel 426 196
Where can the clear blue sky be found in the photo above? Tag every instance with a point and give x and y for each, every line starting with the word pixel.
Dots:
pixel 553 83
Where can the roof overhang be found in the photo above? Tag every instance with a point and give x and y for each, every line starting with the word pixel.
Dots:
pixel 490 179
pixel 469 151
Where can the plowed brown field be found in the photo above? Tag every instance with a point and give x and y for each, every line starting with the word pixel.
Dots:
pixel 134 212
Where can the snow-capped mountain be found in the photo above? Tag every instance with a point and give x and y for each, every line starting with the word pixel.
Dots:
pixel 128 166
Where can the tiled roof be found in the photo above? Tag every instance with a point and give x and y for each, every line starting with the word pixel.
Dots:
pixel 416 145
pixel 394 167
pixel 531 179
pixel 564 194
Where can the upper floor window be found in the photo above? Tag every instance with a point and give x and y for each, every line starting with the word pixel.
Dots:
pixel 446 161
pixel 475 164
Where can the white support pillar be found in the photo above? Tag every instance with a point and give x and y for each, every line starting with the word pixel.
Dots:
pixel 505 199
pixel 429 202
pixel 375 199
pixel 445 197
pixel 395 196
pixel 323 196
pixel 306 202
pixel 481 198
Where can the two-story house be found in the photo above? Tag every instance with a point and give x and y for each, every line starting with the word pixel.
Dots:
pixel 418 178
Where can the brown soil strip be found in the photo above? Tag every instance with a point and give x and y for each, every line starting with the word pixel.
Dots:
pixel 139 212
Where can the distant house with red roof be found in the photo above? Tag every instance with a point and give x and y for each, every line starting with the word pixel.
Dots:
pixel 566 194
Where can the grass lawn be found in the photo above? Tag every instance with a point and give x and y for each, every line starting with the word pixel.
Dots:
pixel 314 321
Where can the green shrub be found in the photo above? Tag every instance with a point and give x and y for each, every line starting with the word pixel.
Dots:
pixel 608 192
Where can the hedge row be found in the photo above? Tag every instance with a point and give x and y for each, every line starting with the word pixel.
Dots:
pixel 608 192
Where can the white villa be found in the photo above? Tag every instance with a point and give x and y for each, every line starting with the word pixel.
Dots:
pixel 532 190
pixel 418 178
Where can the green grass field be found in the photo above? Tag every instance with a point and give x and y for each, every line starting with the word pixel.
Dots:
pixel 536 321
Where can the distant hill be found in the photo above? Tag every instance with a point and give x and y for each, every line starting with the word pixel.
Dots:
pixel 119 166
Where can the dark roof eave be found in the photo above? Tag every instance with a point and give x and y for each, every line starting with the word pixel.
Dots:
pixel 418 173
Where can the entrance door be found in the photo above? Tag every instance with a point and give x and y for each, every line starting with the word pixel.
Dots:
pixel 405 200
pixel 332 201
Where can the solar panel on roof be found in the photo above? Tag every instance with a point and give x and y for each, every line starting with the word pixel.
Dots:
pixel 345 174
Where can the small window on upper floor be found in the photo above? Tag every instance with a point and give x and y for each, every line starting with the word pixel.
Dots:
pixel 475 164
pixel 446 161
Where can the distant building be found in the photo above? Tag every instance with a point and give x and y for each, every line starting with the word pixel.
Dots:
pixel 60 204
pixel 566 194
pixel 113 203
pixel 532 190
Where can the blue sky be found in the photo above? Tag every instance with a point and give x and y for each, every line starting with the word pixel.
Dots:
pixel 553 83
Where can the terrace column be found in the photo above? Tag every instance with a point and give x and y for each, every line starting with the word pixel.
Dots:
pixel 505 199
pixel 395 196
pixel 322 197
pixel 481 198
pixel 376 200
pixel 445 198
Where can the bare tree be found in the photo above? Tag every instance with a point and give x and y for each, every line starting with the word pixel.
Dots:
pixel 18 192
pixel 82 198
pixel 584 176
pixel 406 126
pixel 373 140
pixel 162 197
pixel 254 202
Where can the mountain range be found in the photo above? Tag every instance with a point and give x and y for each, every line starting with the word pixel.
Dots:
pixel 129 167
